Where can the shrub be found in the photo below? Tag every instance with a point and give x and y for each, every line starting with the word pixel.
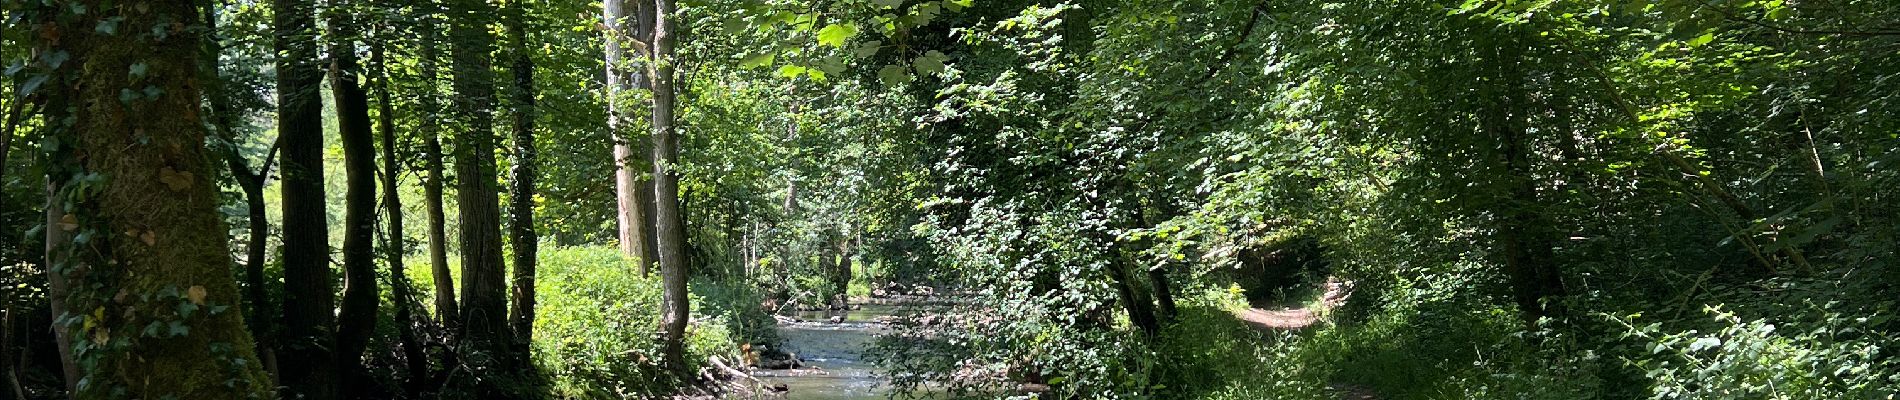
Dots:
pixel 596 334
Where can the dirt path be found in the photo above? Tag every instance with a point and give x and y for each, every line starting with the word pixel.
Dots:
pixel 1284 319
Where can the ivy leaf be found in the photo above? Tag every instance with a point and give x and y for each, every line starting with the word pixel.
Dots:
pixel 32 84
pixel 196 294
pixel 957 5
pixel 888 3
pixel 835 35
pixel 175 180
pixel 69 223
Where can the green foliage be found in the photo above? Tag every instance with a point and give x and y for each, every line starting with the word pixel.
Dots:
pixel 596 334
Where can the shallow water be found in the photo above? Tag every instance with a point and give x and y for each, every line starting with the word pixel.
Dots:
pixel 835 365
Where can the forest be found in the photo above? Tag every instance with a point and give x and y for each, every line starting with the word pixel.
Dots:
pixel 949 199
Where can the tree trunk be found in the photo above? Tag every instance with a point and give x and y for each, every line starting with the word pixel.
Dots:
pixel 521 197
pixel 309 297
pixel 16 109
pixel 1524 232
pixel 164 315
pixel 57 287
pixel 260 317
pixel 446 307
pixel 484 277
pixel 632 189
pixel 670 226
pixel 1164 293
pixel 414 357
pixel 356 321
pixel 1139 306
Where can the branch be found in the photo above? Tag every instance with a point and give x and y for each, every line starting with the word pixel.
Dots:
pixel 1227 55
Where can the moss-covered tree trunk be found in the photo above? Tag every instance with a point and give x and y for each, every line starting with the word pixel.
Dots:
pixel 153 311
pixel 484 273
pixel 309 296
pixel 356 321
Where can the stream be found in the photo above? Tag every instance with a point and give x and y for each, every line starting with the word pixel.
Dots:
pixel 835 367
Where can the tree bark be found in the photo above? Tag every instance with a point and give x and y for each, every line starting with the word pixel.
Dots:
pixel 309 297
pixel 484 279
pixel 670 226
pixel 521 197
pixel 446 307
pixel 356 321
pixel 57 287
pixel 147 257
pixel 414 357
pixel 633 190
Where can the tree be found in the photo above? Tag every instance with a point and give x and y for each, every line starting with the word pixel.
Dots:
pixel 446 307
pixel 260 315
pixel 484 280
pixel 361 297
pixel 415 358
pixel 309 300
pixel 669 224
pixel 633 189
pixel 521 189
pixel 153 309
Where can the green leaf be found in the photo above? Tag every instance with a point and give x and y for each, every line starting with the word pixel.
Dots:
pixel 835 35
pixel 957 5
pixel 1702 40
pixel 32 84
pixel 868 49
pixel 888 3
pixel 791 71
pixel 758 60
pixel 930 63
pixel 892 75
pixel 833 65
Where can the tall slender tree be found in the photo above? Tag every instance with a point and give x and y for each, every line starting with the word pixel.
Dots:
pixel 356 321
pixel 415 359
pixel 669 224
pixel 309 297
pixel 484 273
pixel 142 243
pixel 260 316
pixel 446 307
pixel 521 173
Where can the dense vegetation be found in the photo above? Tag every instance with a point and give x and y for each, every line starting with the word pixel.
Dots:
pixel 586 200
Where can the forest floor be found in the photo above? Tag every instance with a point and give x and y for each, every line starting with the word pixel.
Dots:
pixel 1303 316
